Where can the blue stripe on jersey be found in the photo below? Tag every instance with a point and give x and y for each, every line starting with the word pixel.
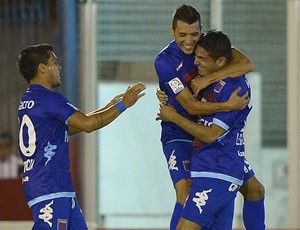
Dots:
pixel 50 197
pixel 182 140
pixel 221 124
pixel 220 176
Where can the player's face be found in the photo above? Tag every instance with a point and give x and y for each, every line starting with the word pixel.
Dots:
pixel 53 71
pixel 186 36
pixel 204 62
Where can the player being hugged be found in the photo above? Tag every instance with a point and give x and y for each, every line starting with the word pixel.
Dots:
pixel 217 162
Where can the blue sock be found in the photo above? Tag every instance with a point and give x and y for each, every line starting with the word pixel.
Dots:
pixel 254 215
pixel 176 216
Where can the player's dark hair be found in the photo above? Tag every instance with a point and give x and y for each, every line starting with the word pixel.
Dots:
pixel 187 14
pixel 30 58
pixel 217 44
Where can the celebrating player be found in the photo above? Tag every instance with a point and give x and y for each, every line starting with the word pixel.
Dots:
pixel 217 162
pixel 176 63
pixel 46 121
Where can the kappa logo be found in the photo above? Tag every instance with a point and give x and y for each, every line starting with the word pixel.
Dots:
pixel 172 162
pixel 47 213
pixel 201 198
pixel 49 153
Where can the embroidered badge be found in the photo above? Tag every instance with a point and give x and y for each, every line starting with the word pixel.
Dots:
pixel 176 85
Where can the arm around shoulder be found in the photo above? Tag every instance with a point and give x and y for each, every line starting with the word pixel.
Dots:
pixel 194 107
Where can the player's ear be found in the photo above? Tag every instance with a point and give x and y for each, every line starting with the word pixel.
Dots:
pixel 41 68
pixel 172 32
pixel 221 61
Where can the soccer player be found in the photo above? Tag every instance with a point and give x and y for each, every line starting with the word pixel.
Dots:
pixel 46 121
pixel 175 63
pixel 217 162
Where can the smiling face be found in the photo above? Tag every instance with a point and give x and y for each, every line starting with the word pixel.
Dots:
pixel 186 35
pixel 212 52
pixel 205 63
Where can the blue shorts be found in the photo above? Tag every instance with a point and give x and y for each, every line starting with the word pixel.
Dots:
pixel 58 214
pixel 178 156
pixel 248 171
pixel 211 203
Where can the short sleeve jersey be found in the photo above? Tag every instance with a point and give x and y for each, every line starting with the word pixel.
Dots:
pixel 175 70
pixel 224 157
pixel 44 144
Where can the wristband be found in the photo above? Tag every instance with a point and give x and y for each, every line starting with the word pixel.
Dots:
pixel 121 107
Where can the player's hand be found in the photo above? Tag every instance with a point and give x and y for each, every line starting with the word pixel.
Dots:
pixel 133 93
pixel 199 83
pixel 166 113
pixel 115 100
pixel 161 96
pixel 236 102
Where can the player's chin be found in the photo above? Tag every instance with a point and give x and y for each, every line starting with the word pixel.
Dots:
pixel 202 72
pixel 58 83
pixel 188 51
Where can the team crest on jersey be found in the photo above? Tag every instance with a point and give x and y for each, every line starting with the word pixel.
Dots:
pixel 62 224
pixel 176 85
pixel 219 86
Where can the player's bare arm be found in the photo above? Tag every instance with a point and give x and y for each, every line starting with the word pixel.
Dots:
pixel 194 107
pixel 95 120
pixel 204 133
pixel 111 103
pixel 239 65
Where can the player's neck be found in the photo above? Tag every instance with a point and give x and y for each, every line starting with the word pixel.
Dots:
pixel 41 81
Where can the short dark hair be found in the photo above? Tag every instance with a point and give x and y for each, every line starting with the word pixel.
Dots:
pixel 30 58
pixel 187 14
pixel 217 44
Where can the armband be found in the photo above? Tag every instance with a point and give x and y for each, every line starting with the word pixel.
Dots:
pixel 121 107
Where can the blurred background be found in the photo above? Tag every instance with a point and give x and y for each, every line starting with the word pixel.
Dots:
pixel 103 46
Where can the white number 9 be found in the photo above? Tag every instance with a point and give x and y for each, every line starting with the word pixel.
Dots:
pixel 27 151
